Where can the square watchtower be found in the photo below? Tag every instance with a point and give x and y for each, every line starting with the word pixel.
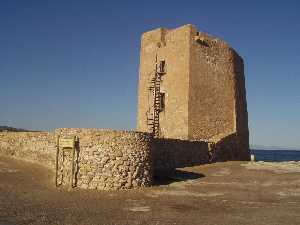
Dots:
pixel 192 87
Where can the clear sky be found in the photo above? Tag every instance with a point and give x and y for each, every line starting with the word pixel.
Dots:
pixel 75 63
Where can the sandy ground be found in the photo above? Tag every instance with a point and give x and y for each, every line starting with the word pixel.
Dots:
pixel 221 193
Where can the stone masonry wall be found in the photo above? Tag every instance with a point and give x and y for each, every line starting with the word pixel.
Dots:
pixel 203 88
pixel 111 159
pixel 173 47
pixel 169 154
pixel 31 146
pixel 106 159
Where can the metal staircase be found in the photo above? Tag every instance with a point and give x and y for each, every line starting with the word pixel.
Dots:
pixel 154 89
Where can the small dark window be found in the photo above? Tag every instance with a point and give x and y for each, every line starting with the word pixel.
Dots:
pixel 162 67
pixel 162 102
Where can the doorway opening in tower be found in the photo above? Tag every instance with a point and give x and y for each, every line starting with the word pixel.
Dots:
pixel 156 98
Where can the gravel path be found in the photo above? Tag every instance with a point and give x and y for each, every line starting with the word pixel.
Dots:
pixel 221 193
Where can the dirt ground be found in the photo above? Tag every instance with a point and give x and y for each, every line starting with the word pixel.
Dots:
pixel 221 193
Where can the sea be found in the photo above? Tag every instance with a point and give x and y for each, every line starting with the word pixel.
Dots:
pixel 276 155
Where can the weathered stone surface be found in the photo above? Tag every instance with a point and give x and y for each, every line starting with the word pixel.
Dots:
pixel 31 146
pixel 204 89
pixel 102 167
pixel 107 159
pixel 104 164
pixel 169 154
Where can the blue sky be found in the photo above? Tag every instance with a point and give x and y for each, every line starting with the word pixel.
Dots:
pixel 75 63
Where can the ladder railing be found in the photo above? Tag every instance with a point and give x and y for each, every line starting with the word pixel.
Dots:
pixel 155 107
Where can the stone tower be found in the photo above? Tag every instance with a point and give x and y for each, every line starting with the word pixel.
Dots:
pixel 192 87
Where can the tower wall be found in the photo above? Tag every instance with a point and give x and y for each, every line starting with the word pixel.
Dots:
pixel 173 47
pixel 217 96
pixel 242 130
pixel 212 88
pixel 204 86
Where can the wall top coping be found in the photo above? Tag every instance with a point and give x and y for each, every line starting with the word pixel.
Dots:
pixel 101 130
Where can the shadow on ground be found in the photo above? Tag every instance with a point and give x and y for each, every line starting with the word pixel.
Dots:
pixel 229 193
pixel 176 176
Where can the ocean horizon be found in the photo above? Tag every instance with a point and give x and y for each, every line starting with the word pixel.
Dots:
pixel 276 155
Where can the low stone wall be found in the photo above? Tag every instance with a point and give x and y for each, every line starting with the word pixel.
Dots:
pixel 111 159
pixel 169 154
pixel 229 148
pixel 36 147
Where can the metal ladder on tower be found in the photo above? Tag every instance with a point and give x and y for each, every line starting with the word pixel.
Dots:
pixel 155 109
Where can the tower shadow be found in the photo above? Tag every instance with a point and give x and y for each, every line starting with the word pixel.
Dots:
pixel 176 176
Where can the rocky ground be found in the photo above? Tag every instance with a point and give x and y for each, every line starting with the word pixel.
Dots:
pixel 221 193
